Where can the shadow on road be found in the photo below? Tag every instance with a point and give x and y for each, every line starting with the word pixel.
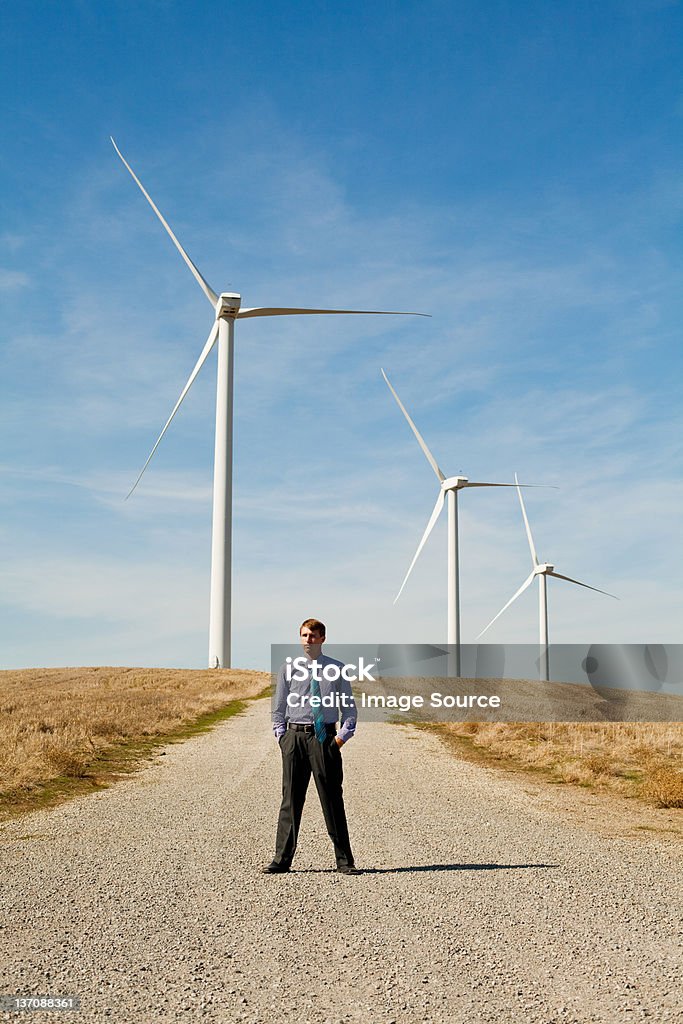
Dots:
pixel 430 867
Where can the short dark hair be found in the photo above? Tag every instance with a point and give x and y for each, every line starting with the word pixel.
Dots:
pixel 315 624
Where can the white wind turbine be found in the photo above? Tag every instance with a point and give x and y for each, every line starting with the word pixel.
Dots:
pixel 448 490
pixel 541 570
pixel 227 308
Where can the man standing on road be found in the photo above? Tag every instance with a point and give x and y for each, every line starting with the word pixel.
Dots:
pixel 306 730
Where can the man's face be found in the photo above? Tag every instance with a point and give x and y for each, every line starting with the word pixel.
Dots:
pixel 311 641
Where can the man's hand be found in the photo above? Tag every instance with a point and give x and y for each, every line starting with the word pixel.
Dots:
pixel 340 743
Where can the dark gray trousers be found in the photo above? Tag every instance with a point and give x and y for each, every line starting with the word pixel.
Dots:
pixel 304 755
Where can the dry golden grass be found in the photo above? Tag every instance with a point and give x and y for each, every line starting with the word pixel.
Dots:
pixel 665 787
pixel 60 723
pixel 62 727
pixel 634 759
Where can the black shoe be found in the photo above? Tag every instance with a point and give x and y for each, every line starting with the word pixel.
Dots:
pixel 274 869
pixel 349 869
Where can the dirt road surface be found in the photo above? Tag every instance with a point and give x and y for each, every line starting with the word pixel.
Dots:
pixel 480 901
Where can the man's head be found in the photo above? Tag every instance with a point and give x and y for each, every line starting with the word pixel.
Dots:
pixel 312 634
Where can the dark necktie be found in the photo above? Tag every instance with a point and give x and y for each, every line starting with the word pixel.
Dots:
pixel 318 714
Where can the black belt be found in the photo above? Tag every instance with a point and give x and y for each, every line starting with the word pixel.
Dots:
pixel 331 730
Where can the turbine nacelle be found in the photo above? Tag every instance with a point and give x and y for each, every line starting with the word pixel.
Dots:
pixel 454 483
pixel 228 305
pixel 543 568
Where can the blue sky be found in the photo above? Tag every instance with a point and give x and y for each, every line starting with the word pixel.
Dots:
pixel 514 170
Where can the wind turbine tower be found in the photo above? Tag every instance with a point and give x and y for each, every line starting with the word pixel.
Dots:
pixel 227 308
pixel 448 492
pixel 540 571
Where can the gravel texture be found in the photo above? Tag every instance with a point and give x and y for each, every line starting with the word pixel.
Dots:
pixel 478 901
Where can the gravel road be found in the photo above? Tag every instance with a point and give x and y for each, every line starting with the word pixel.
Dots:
pixel 479 903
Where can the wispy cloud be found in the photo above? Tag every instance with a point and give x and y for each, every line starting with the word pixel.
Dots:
pixel 13 280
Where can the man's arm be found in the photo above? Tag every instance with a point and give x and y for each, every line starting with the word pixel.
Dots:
pixel 349 715
pixel 280 704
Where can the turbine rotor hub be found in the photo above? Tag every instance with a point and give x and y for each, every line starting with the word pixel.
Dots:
pixel 543 568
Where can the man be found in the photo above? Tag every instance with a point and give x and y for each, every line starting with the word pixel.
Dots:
pixel 306 730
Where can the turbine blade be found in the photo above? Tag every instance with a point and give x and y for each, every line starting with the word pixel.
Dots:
pixel 527 582
pixel 205 287
pixel 471 483
pixel 430 526
pixel 210 341
pixel 534 556
pixel 580 584
pixel 293 311
pixel 420 440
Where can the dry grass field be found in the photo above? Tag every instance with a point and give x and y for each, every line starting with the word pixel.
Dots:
pixel 64 731
pixel 639 759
